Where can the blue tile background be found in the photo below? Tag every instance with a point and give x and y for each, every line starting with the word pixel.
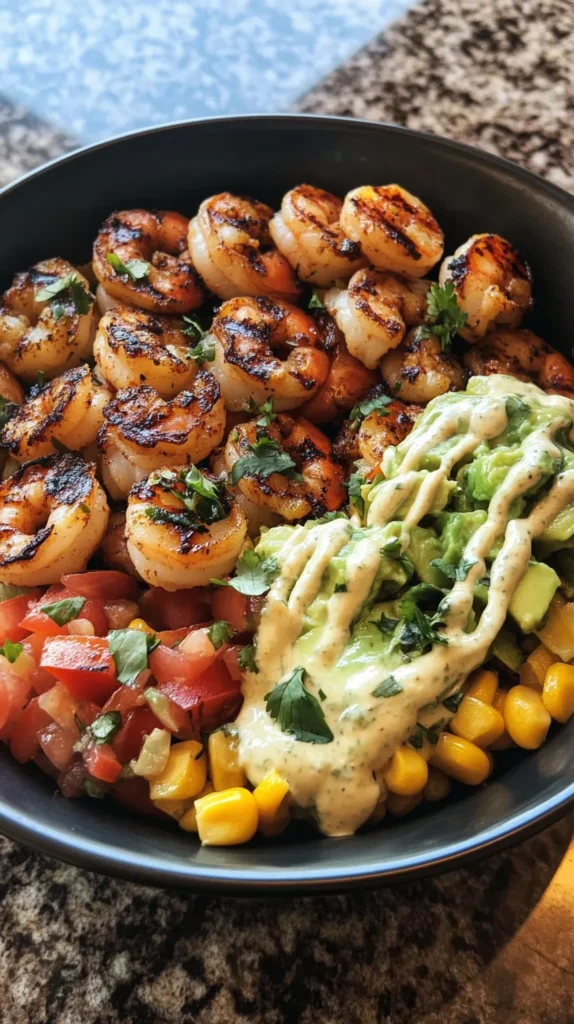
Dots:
pixel 106 66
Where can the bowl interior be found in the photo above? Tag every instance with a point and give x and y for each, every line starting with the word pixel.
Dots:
pixel 58 211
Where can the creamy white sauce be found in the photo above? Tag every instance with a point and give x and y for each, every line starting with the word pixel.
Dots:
pixel 338 781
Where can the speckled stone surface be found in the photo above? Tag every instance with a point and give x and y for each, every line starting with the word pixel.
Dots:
pixel 487 944
pixel 497 74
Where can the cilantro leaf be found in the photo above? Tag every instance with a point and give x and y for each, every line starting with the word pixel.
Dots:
pixel 390 687
pixel 266 457
pixel 453 572
pixel 453 702
pixel 193 329
pixel 297 711
pixel 266 413
pixel 203 352
pixel 185 519
pixel 246 659
pixel 421 733
pixel 220 632
pixel 130 649
pixel 136 269
pixel 354 484
pixel 315 302
pixel 340 588
pixel 444 316
pixel 64 611
pixel 419 631
pixel 7 410
pixel 104 727
pixel 11 650
pixel 200 496
pixel 80 297
pixel 369 405
pixel 385 624
pixel 58 311
pixel 254 575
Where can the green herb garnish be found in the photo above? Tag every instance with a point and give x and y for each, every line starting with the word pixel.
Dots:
pixel 297 711
pixel 130 649
pixel 315 302
pixel 220 632
pixel 203 352
pixel 354 484
pixel 266 414
pixel 266 457
pixel 136 269
pixel 11 650
pixel 453 572
pixel 80 297
pixel 444 316
pixel 246 659
pixel 7 410
pixel 254 575
pixel 104 727
pixel 385 624
pixel 64 611
pixel 200 496
pixel 378 404
pixel 388 688
pixel 453 702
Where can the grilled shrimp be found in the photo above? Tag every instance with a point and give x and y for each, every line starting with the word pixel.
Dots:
pixel 53 515
pixel 114 546
pixel 267 348
pixel 231 247
pixel 347 381
pixel 133 347
pixel 68 410
pixel 171 547
pixel 51 334
pixel 524 355
pixel 378 432
pixel 321 488
pixel 162 279
pixel 395 230
pixel 307 231
pixel 374 311
pixel 143 432
pixel 492 281
pixel 420 370
pixel 10 388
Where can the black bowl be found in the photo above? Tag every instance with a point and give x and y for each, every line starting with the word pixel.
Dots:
pixel 57 211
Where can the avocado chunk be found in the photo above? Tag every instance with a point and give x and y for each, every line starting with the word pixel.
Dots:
pixel 531 599
pixel 506 650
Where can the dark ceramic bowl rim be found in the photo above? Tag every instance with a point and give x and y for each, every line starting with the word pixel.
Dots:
pixel 101 856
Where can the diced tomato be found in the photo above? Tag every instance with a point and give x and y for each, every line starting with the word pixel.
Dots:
pixel 45 765
pixel 39 622
pixel 102 763
pixel 138 724
pixel 18 688
pixel 39 678
pixel 5 704
pixel 58 744
pixel 12 612
pixel 134 794
pixel 71 781
pixel 183 663
pixel 84 664
pixel 213 697
pixel 230 657
pixel 125 699
pixel 59 704
pixel 173 637
pixel 166 610
pixel 24 742
pixel 87 711
pixel 107 584
pixel 120 612
pixel 233 608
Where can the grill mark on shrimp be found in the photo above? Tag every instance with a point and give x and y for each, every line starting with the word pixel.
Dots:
pixel 369 210
pixel 26 554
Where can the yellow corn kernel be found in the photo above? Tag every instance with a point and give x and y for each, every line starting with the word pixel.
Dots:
pixel 461 759
pixel 398 805
pixel 406 773
pixel 483 685
pixel 426 749
pixel 185 774
pixel 558 691
pixel 505 740
pixel 188 820
pixel 526 718
pixel 224 767
pixel 175 808
pixel 535 667
pixel 140 624
pixel 272 799
pixel 437 787
pixel 227 817
pixel 558 633
pixel 478 722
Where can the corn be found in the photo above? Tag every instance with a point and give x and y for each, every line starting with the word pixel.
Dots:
pixel 558 692
pixel 224 767
pixel 461 759
pixel 535 667
pixel 558 633
pixel 483 685
pixel 227 817
pixel 272 799
pixel 175 808
pixel 437 787
pixel 142 625
pixel 185 774
pixel 406 773
pixel 505 740
pixel 478 722
pixel 526 718
pixel 398 805
pixel 188 820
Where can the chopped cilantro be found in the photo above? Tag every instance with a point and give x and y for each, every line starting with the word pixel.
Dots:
pixel 220 632
pixel 104 727
pixel 80 297
pixel 453 572
pixel 297 711
pixel 444 316
pixel 266 457
pixel 369 405
pixel 246 659
pixel 136 269
pixel 355 482
pixel 11 650
pixel 254 575
pixel 130 649
pixel 390 687
pixel 64 611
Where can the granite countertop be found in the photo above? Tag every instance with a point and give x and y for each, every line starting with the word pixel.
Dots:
pixel 477 946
